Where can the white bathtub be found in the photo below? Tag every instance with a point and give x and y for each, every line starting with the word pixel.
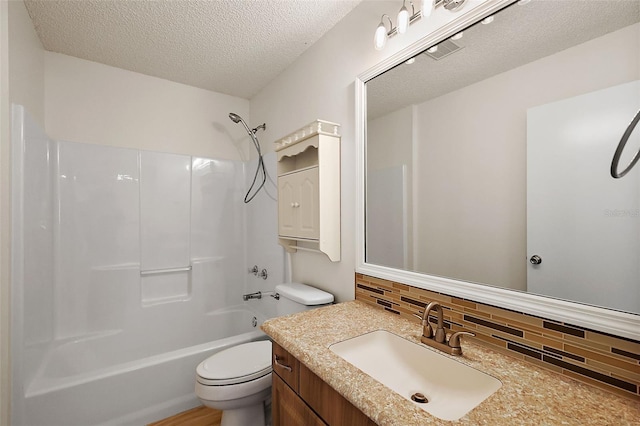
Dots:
pixel 85 382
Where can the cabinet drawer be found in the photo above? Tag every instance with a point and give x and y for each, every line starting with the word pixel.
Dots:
pixel 286 366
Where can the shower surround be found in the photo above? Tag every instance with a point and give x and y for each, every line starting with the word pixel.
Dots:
pixel 128 270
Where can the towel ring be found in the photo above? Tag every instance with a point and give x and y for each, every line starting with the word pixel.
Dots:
pixel 623 141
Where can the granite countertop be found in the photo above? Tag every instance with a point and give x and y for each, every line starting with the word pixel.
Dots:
pixel 529 395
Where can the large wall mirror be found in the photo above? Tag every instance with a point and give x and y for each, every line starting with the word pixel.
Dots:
pixel 486 162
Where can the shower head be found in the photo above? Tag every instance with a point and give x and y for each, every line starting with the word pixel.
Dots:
pixel 235 117
pixel 252 133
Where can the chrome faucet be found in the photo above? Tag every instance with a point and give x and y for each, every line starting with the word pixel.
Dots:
pixel 256 295
pixel 438 339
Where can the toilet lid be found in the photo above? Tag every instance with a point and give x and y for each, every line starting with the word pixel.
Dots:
pixel 237 364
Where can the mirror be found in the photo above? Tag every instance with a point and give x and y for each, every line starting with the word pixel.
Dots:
pixel 488 160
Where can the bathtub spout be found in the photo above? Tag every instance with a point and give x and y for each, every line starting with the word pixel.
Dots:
pixel 256 295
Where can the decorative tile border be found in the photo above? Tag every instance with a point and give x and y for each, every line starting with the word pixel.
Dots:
pixel 608 362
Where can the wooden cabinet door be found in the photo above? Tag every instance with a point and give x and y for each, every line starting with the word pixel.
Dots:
pixel 288 409
pixel 328 403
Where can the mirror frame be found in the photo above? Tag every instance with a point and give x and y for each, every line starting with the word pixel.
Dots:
pixel 590 317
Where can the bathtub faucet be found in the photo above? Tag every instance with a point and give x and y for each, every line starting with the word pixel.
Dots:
pixel 256 295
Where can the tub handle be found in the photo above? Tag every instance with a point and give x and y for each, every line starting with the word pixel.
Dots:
pixel 276 360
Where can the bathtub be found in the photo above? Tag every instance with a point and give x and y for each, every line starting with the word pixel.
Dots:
pixel 85 382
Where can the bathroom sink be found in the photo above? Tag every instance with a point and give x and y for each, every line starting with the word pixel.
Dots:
pixel 451 388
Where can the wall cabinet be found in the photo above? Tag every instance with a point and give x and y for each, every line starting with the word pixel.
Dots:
pixel 309 189
pixel 299 397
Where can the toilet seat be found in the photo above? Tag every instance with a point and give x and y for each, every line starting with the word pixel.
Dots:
pixel 238 364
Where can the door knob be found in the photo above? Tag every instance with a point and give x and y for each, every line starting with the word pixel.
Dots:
pixel 535 260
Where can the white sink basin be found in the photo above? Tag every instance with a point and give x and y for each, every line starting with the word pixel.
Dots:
pixel 452 388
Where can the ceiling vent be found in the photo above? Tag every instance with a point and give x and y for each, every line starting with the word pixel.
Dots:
pixel 445 48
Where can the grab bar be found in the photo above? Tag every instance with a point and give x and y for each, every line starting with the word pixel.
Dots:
pixel 165 271
pixel 623 141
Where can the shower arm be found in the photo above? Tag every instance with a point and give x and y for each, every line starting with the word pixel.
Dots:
pixel 263 126
pixel 252 133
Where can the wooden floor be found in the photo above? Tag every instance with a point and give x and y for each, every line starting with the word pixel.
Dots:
pixel 199 416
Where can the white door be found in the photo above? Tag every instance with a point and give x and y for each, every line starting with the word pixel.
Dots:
pixel 583 224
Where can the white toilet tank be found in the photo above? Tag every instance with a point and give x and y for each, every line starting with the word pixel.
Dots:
pixel 296 297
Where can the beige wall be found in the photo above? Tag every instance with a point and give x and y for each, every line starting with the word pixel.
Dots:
pixel 480 190
pixel 5 390
pixel 26 62
pixel 320 84
pixel 95 103
pixel 390 139
pixel 22 81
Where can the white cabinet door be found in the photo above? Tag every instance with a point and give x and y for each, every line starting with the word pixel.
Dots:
pixel 298 210
pixel 286 197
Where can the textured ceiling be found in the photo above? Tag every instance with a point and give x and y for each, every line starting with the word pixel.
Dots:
pixel 233 47
pixel 519 34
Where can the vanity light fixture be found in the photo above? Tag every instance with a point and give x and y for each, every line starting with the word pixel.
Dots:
pixel 405 19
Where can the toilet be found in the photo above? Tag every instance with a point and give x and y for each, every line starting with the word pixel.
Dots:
pixel 237 380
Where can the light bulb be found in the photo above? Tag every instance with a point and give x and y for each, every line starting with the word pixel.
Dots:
pixel 427 8
pixel 380 38
pixel 403 19
pixel 432 49
pixel 457 36
pixel 487 20
pixel 410 61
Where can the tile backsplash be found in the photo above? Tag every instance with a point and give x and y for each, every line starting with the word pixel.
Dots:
pixel 608 362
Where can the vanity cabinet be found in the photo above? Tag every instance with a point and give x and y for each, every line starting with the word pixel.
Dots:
pixel 288 409
pixel 309 189
pixel 299 397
